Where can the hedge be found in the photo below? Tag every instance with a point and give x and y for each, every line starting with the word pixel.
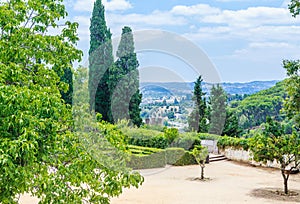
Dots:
pixel 173 155
pixel 160 158
pixel 186 141
pixel 186 159
pixel 155 160
pixel 145 137
pixel 237 143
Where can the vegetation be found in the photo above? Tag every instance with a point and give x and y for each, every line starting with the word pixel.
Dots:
pixel 254 109
pixel 200 153
pixel 292 85
pixel 198 120
pixel 218 110
pixel 42 150
pixel 100 62
pixel 273 145
pixel 124 81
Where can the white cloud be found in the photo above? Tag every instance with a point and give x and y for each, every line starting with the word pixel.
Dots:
pixel 199 9
pixel 252 16
pixel 112 5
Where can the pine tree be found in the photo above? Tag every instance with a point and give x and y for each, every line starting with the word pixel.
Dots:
pixel 218 110
pixel 124 77
pixel 100 62
pixel 231 126
pixel 198 118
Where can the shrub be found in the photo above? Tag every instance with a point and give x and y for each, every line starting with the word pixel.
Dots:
pixel 186 159
pixel 173 155
pixel 171 134
pixel 186 141
pixel 155 160
pixel 237 143
pixel 145 137
pixel 207 136
pixel 142 150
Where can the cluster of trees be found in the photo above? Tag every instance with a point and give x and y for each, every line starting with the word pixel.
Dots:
pixel 253 110
pixel 41 150
pixel 212 116
pixel 113 86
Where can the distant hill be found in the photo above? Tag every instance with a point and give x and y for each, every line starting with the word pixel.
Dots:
pixel 182 88
pixel 253 110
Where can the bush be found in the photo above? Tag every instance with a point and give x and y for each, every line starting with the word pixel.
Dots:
pixel 142 150
pixel 186 141
pixel 145 137
pixel 173 155
pixel 155 160
pixel 145 158
pixel 186 159
pixel 171 134
pixel 237 143
pixel 207 136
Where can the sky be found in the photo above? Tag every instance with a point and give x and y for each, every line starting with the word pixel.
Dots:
pixel 223 40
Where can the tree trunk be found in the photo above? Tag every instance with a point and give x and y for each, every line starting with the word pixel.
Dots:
pixel 202 172
pixel 285 181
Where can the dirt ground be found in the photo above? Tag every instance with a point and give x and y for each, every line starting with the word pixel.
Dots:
pixel 228 182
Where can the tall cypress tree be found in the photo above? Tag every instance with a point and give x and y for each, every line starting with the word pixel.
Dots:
pixel 218 100
pixel 100 62
pixel 198 118
pixel 124 77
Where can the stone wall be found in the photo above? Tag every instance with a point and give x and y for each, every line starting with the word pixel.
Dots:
pixel 244 156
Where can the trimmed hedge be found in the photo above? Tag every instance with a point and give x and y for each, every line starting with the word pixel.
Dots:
pixel 186 141
pixel 155 160
pixel 145 137
pixel 186 159
pixel 173 155
pixel 142 158
pixel 143 150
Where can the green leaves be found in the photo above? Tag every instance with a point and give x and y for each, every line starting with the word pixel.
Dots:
pixel 39 150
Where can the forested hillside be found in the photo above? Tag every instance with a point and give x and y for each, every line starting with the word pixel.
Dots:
pixel 253 110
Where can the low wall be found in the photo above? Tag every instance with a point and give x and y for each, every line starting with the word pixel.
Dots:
pixel 245 156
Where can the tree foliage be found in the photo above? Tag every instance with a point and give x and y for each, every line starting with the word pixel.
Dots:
pixel 218 110
pixel 100 62
pixel 231 126
pixel 272 145
pixel 198 119
pixel 253 110
pixel 39 151
pixel 200 153
pixel 292 86
pixel 294 7
pixel 124 81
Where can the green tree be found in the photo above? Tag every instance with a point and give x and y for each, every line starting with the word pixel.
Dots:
pixel 231 126
pixel 67 78
pixel 124 77
pixel 218 100
pixel 292 86
pixel 294 7
pixel 272 146
pixel 200 153
pixel 198 118
pixel 100 62
pixel 39 152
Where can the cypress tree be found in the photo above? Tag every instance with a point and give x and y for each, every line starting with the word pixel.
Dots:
pixel 218 100
pixel 198 118
pixel 100 62
pixel 124 77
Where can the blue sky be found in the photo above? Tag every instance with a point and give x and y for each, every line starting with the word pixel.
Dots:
pixel 245 40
